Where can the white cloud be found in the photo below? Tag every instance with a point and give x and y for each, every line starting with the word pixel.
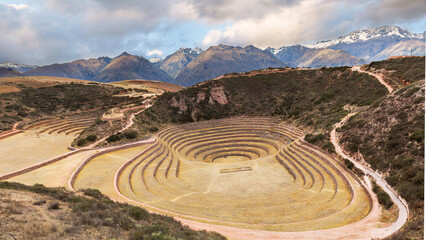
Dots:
pixel 213 37
pixel 154 52
pixel 183 10
pixel 18 6
pixel 289 25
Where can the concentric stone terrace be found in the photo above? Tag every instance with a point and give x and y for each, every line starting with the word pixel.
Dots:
pixel 245 172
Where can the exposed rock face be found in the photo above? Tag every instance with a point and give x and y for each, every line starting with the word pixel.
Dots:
pixel 181 104
pixel 218 60
pixel 218 94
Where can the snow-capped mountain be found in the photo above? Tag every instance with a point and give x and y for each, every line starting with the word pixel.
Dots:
pixel 368 34
pixel 378 43
pixel 173 63
pixel 196 50
pixel 154 60
pixel 18 67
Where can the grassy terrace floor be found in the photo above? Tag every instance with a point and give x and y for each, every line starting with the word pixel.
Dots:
pixel 244 172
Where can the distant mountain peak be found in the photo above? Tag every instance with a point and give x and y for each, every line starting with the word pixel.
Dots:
pixel 123 54
pixel 367 34
pixel 18 67
pixel 195 50
pixel 154 60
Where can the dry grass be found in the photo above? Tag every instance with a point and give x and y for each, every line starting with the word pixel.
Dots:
pixel 84 215
pixel 40 81
pixel 25 149
pixel 7 88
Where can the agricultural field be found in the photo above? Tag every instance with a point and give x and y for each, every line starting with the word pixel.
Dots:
pixel 248 172
pixel 146 88
pixel 40 142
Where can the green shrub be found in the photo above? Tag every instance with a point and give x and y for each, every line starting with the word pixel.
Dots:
pixel 392 180
pixel 53 206
pixel 311 138
pixel 131 134
pixel 81 142
pixel 114 138
pixel 95 193
pixel 349 164
pixel 418 136
pixel 136 213
pixel 91 138
pixel 382 196
pixel 328 146
pixel 153 129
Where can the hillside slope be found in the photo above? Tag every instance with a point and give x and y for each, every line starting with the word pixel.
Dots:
pixel 390 137
pixel 79 69
pixel 399 71
pixel 222 59
pixel 37 103
pixel 126 66
pixel 8 72
pixel 312 98
pixel 37 212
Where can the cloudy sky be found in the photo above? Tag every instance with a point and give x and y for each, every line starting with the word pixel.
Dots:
pixel 47 31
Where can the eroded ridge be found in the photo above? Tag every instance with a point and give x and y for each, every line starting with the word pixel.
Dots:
pixel 248 172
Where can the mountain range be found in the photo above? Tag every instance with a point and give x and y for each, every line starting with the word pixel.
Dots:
pixel 189 66
pixel 377 43
pixel 104 69
pixel 221 59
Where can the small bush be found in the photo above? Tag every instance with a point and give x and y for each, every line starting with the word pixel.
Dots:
pixel 114 138
pixel 91 138
pixel 328 146
pixel 349 164
pixel 131 134
pixel 382 196
pixel 310 138
pixel 95 193
pixel 136 213
pixel 53 206
pixel 39 202
pixel 81 142
pixel 153 129
pixel 418 136
pixel 392 180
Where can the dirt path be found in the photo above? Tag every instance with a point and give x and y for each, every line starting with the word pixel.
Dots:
pixel 129 124
pixel 399 202
pixel 380 78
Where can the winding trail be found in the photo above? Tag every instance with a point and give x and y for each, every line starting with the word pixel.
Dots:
pixel 128 125
pixel 402 205
pixel 380 78
pixel 399 202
